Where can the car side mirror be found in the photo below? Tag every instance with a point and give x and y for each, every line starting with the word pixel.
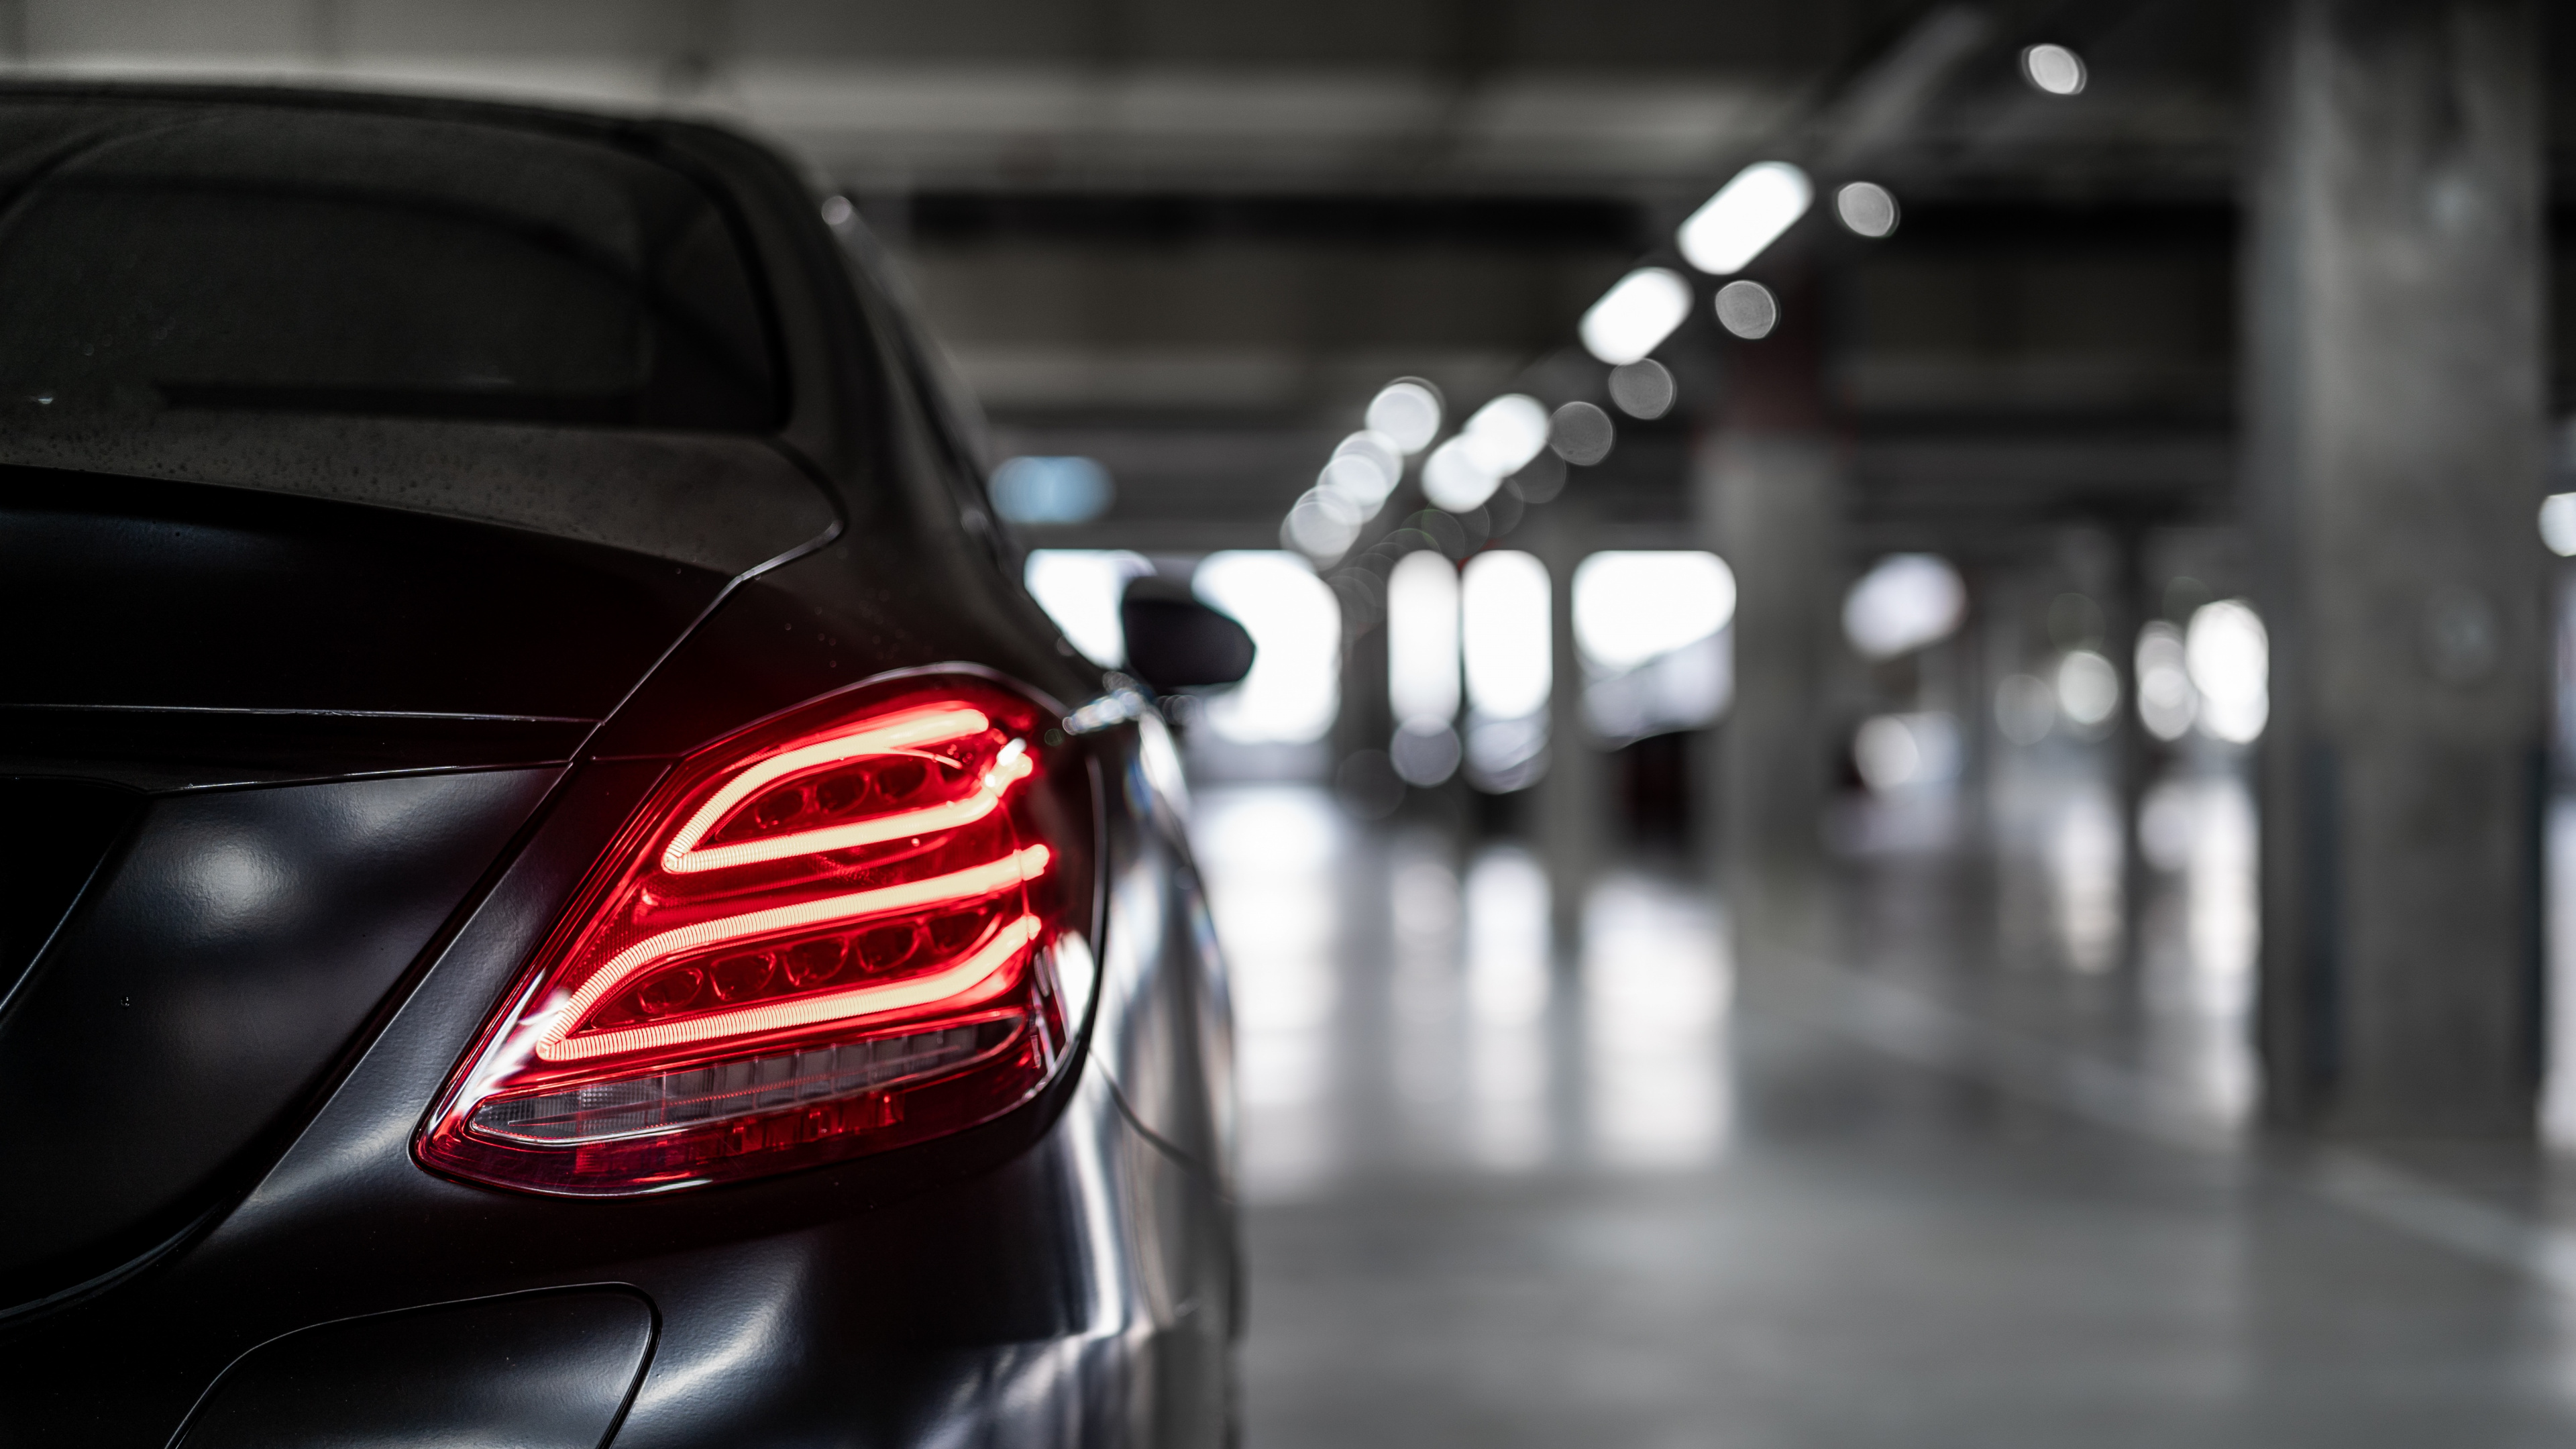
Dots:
pixel 1176 642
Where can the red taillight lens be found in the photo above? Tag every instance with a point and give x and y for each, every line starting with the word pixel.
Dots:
pixel 845 930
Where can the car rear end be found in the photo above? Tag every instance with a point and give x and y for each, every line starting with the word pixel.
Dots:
pixel 557 888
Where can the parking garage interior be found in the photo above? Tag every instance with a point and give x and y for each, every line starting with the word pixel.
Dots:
pixel 1908 775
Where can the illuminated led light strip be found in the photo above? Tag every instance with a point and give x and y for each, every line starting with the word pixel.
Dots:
pixel 849 1003
pixel 984 880
pixel 894 734
pixel 1010 767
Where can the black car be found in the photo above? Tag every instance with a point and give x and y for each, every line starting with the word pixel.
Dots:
pixel 556 888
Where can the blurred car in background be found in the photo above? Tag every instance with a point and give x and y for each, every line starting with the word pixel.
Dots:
pixel 558 886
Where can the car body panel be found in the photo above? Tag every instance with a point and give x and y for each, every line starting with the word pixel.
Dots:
pixel 1064 1274
pixel 227 957
pixel 139 594
pixel 724 504
pixel 531 1370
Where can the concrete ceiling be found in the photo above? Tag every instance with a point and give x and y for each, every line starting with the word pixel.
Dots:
pixel 1192 237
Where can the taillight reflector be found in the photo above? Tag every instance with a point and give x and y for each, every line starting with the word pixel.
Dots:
pixel 842 931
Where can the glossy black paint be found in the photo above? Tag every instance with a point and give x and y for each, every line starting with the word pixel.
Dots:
pixel 146 594
pixel 217 969
pixel 1176 642
pixel 1064 1275
pixel 59 830
pixel 534 1371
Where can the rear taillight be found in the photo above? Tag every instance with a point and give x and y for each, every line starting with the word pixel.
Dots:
pixel 845 930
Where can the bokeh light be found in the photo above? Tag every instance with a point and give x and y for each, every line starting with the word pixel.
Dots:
pixel 1639 311
pixel 1322 525
pixel 2088 688
pixel 2053 69
pixel 1422 639
pixel 2025 708
pixel 1506 433
pixel 1581 433
pixel 2558 524
pixel 1454 480
pixel 1365 469
pixel 1407 411
pixel 1051 490
pixel 1748 310
pixel 1745 216
pixel 2167 700
pixel 1907 751
pixel 2230 659
pixel 1907 601
pixel 1866 209
pixel 1643 389
pixel 1503 610
pixel 1631 605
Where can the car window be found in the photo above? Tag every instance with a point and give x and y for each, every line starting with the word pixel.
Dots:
pixel 319 261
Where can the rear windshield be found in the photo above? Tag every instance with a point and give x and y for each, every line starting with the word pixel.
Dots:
pixel 317 261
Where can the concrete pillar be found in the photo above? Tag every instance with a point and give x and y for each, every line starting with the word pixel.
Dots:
pixel 1768 492
pixel 2394 407
pixel 1771 506
pixel 1574 799
pixel 2125 612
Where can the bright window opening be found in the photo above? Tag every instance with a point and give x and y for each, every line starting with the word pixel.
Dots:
pixel 1294 689
pixel 1080 589
pixel 1650 625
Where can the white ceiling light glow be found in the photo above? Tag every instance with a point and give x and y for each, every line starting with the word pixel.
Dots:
pixel 1378 448
pixel 2053 68
pixel 1080 588
pixel 1633 318
pixel 1503 607
pixel 1747 309
pixel 1867 209
pixel 1581 433
pixel 1406 412
pixel 2558 524
pixel 2088 687
pixel 2230 660
pixel 1907 601
pixel 1642 389
pixel 1501 438
pixel 1631 605
pixel 1506 433
pixel 1359 479
pixel 1294 689
pixel 1051 490
pixel 1322 526
pixel 1422 640
pixel 1454 480
pixel 1746 215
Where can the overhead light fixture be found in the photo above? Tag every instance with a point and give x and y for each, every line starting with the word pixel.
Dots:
pixel 1363 471
pixel 1581 433
pixel 1406 411
pixel 1633 318
pixel 1867 209
pixel 1323 525
pixel 1452 478
pixel 1747 309
pixel 2053 68
pixel 1746 215
pixel 1642 389
pixel 2558 523
pixel 1051 490
pixel 1506 433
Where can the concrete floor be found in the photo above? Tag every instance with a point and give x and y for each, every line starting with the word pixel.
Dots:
pixel 1949 1174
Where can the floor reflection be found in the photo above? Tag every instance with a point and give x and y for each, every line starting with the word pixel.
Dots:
pixel 1984 1177
pixel 1396 1004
